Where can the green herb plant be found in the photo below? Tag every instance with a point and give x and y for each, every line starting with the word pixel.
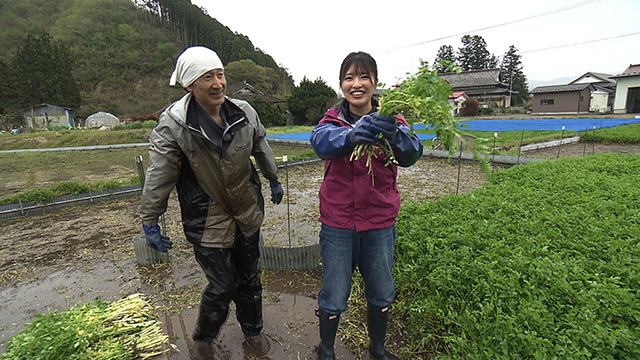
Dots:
pixel 422 99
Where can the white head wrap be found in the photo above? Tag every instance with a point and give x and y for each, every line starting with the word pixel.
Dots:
pixel 193 63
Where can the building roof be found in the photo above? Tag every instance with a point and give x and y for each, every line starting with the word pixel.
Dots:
pixel 457 94
pixel 595 78
pixel 560 88
pixel 43 105
pixel 473 78
pixel 245 91
pixel 632 70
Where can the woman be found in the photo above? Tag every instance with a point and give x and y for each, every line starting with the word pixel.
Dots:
pixel 358 213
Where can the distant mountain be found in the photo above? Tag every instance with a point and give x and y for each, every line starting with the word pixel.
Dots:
pixel 125 51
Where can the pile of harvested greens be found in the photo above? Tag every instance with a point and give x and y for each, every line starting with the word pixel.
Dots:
pixel 124 329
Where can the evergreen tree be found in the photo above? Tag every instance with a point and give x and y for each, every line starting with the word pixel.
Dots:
pixel 310 100
pixel 445 53
pixel 511 73
pixel 43 68
pixel 473 55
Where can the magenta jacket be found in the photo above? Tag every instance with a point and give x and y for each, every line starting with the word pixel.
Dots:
pixel 348 197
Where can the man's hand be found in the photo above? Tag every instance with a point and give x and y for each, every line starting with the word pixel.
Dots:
pixel 276 193
pixel 155 239
pixel 384 124
pixel 364 132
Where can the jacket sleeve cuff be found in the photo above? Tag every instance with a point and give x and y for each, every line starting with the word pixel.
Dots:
pixel 330 141
pixel 407 149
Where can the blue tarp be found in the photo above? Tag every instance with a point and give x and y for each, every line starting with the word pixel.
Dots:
pixel 306 136
pixel 542 124
pixel 510 125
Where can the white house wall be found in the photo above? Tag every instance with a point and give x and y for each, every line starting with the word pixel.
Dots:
pixel 620 101
pixel 599 100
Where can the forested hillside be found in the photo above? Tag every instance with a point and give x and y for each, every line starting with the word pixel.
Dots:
pixel 120 54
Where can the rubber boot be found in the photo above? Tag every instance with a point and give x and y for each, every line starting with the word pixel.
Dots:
pixel 258 343
pixel 377 324
pixel 328 330
pixel 202 350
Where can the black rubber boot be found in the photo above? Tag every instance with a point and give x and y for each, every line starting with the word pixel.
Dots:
pixel 377 324
pixel 202 350
pixel 328 330
pixel 258 343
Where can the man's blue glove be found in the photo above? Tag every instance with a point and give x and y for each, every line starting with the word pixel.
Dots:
pixel 364 132
pixel 384 124
pixel 155 239
pixel 276 193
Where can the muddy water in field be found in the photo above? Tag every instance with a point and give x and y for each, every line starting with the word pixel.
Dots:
pixel 50 262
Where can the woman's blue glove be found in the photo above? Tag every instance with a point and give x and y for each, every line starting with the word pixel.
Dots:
pixel 276 193
pixel 364 131
pixel 384 124
pixel 155 239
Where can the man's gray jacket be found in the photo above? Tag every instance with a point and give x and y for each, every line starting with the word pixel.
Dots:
pixel 217 184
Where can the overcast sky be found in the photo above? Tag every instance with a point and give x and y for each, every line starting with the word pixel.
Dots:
pixel 312 38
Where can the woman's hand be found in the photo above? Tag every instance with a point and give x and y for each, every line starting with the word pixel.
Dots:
pixel 385 125
pixel 364 132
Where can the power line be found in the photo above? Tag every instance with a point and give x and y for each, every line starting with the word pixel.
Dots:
pixel 580 43
pixel 550 12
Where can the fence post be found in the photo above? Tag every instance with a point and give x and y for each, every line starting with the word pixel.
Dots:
pixel 285 159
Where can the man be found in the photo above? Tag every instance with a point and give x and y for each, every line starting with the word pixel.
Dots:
pixel 202 145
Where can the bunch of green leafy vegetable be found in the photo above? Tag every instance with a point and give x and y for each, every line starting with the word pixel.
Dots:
pixel 423 98
pixel 541 263
pixel 123 329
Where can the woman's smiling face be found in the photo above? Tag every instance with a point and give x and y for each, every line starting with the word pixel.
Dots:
pixel 357 86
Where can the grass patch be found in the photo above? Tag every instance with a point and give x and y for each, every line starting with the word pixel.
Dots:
pixel 65 188
pixel 542 263
pixel 73 138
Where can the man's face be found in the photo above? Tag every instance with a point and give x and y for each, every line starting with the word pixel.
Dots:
pixel 209 89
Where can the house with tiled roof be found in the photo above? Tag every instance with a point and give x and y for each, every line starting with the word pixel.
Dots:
pixel 590 93
pixel 482 85
pixel 627 99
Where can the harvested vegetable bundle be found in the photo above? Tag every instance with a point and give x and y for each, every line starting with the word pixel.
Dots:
pixel 123 329
pixel 423 98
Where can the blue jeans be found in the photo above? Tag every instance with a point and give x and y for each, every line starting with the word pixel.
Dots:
pixel 342 250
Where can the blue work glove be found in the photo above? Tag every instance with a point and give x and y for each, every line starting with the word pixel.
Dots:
pixel 385 125
pixel 155 239
pixel 364 132
pixel 276 193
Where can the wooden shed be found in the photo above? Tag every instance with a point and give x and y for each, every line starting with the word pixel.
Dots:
pixel 43 116
pixel 568 99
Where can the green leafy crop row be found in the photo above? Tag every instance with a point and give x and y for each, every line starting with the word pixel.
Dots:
pixel 542 263
pixel 627 134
